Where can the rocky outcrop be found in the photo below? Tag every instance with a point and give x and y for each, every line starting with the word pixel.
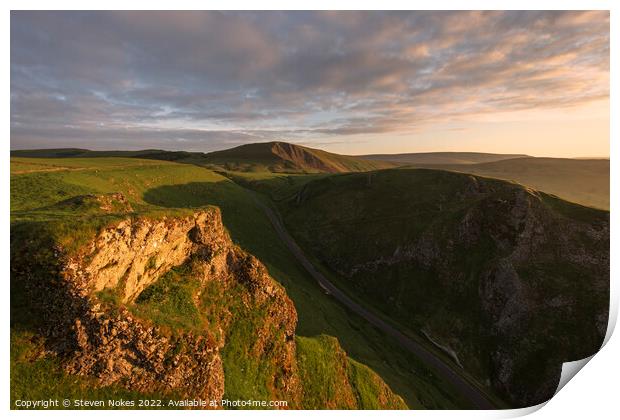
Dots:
pixel 122 349
pixel 134 253
pixel 91 306
pixel 115 346
pixel 302 157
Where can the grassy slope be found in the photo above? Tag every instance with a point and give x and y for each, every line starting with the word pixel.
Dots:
pixel 286 157
pixel 327 374
pixel 85 153
pixel 355 385
pixel 256 157
pixel 277 186
pixel 152 185
pixel 441 158
pixel 360 208
pixel 169 303
pixel 282 189
pixel 583 181
pixel 364 227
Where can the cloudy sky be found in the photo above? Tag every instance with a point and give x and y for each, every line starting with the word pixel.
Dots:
pixel 348 82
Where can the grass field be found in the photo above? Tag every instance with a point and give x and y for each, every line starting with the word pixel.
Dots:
pixel 156 186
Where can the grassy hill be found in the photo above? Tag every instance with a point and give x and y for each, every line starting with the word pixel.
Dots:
pixel 286 157
pixel 441 158
pixel 85 153
pixel 583 181
pixel 506 281
pixel 422 247
pixel 43 192
pixel 256 157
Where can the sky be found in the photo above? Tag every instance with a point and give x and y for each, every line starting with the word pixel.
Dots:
pixel 346 82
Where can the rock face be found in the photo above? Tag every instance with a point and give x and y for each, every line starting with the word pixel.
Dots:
pixel 134 253
pixel 117 347
pixel 241 309
pixel 507 281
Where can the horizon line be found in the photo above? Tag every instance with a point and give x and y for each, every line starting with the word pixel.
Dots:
pixel 523 155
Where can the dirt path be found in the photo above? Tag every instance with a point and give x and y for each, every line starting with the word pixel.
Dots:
pixel 473 394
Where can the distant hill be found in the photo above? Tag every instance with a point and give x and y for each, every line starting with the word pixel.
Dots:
pixel 442 158
pixel 49 153
pixel 583 181
pixel 287 157
pixel 85 153
pixel 255 157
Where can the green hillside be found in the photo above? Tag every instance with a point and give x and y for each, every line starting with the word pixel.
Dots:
pixel 423 248
pixel 442 158
pixel 506 281
pixel 583 181
pixel 286 157
pixel 256 157
pixel 85 153
pixel 44 191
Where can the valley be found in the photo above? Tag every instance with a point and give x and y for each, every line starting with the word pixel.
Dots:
pixel 169 188
pixel 335 215
pixel 307 209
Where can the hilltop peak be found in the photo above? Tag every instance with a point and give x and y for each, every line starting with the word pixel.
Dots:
pixel 278 156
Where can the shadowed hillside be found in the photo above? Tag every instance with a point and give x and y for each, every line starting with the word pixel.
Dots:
pixel 75 198
pixel 465 264
pixel 441 158
pixel 506 281
pixel 256 157
pixel 84 153
pixel 583 181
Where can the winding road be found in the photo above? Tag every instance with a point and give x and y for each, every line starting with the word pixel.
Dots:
pixel 469 391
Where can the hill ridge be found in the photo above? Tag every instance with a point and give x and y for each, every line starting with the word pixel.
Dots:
pixel 443 157
pixel 275 156
pixel 278 156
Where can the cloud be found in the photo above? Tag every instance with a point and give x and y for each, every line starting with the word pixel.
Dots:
pixel 205 79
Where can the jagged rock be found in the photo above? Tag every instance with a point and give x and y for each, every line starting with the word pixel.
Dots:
pixel 116 347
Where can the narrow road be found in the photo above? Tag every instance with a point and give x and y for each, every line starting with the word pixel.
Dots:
pixel 473 394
